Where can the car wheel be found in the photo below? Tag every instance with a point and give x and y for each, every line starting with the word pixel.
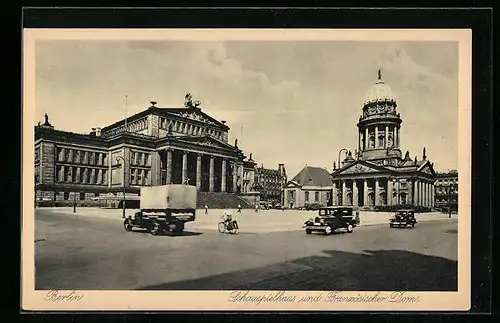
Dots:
pixel 413 225
pixel 350 228
pixel 222 227
pixel 155 228
pixel 127 224
pixel 391 225
pixel 328 230
pixel 308 231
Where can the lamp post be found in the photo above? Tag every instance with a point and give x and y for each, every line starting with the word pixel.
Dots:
pixel 74 196
pixel 123 182
pixel 338 165
pixel 451 189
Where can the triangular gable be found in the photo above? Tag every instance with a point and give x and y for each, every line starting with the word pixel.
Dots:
pixel 195 114
pixel 292 184
pixel 427 168
pixel 360 167
pixel 205 141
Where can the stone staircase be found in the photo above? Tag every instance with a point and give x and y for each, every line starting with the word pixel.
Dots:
pixel 217 200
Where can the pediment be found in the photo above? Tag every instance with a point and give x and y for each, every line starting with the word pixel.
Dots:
pixel 361 168
pixel 206 141
pixel 292 184
pixel 427 169
pixel 197 116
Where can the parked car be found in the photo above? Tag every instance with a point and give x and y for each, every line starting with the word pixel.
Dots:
pixel 332 218
pixel 403 218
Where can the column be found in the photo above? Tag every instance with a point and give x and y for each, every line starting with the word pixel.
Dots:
pixel 421 193
pixel 223 177
pixel 415 193
pixel 397 131
pixel 366 139
pixel 377 191
pixel 184 167
pixel 359 141
pixel 344 193
pixel 389 191
pixel 409 196
pixel 397 192
pixel 386 136
pixel 198 172
pixel 428 194
pixel 431 195
pixel 365 192
pixel 335 196
pixel 169 166
pixel 376 137
pixel 424 185
pixel 211 183
pixel 354 193
pixel 235 182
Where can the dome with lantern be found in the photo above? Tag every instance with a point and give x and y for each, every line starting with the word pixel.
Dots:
pixel 379 92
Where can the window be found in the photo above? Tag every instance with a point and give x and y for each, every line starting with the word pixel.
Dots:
pixel 139 176
pixel 82 196
pixel 132 176
pixel 307 196
pixel 316 196
pixel 66 195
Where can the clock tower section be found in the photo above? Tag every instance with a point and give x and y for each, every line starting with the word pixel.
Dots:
pixel 379 126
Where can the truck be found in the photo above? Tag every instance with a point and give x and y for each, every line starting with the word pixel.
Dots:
pixel 165 208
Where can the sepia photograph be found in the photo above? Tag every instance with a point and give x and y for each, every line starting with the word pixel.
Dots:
pixel 247 169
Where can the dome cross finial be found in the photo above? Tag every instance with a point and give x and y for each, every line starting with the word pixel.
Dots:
pixel 379 74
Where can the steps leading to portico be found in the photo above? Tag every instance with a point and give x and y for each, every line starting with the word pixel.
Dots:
pixel 219 200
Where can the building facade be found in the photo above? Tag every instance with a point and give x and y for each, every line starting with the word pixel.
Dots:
pixel 378 174
pixel 446 190
pixel 312 185
pixel 153 147
pixel 270 183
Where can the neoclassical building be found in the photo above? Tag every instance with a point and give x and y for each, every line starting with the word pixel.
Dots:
pixel 378 173
pixel 153 147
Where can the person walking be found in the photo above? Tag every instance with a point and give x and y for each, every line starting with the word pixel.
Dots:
pixel 239 208
pixel 206 208
pixel 256 208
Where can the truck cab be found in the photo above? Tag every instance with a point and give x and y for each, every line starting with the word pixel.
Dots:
pixel 165 208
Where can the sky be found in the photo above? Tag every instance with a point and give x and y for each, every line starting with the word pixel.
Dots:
pixel 291 102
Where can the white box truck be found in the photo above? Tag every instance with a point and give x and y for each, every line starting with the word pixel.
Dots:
pixel 164 208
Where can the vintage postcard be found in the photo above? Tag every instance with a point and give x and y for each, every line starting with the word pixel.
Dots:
pixel 246 170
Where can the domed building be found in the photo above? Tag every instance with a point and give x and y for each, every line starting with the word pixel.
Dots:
pixel 378 174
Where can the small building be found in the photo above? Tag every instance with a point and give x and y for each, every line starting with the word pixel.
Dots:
pixel 446 190
pixel 270 182
pixel 312 185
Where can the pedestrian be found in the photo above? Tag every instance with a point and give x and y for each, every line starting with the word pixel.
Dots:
pixel 239 208
pixel 206 208
pixel 256 208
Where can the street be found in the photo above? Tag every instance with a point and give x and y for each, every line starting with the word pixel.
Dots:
pixel 96 253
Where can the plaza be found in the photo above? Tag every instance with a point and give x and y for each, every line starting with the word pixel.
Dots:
pixel 90 249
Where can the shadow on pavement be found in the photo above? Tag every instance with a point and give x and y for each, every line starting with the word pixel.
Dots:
pixel 381 270
pixel 165 234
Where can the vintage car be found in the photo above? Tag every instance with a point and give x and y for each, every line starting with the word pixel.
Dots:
pixel 332 218
pixel 403 218
pixel 165 208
